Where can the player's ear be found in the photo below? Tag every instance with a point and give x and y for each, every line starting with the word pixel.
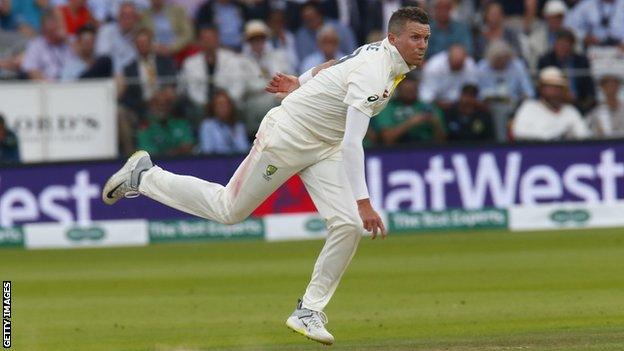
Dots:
pixel 392 38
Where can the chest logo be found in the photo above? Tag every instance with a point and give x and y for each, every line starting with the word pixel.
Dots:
pixel 373 98
pixel 270 170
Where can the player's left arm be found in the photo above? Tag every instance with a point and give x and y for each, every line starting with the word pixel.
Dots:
pixel 353 160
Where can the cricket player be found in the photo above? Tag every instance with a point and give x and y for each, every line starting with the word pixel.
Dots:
pixel 317 132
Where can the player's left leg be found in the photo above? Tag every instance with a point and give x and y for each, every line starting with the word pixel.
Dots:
pixel 328 186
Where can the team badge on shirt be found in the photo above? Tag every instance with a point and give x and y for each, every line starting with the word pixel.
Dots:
pixel 270 170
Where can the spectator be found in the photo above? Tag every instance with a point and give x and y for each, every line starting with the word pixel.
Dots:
pixel 258 50
pixel 576 68
pixel 313 21
pixel 221 132
pixel 542 37
pixel 212 68
pixel 84 63
pixel 550 117
pixel 108 10
pixel 9 148
pixel 74 15
pixel 164 134
pixel 406 119
pixel 228 16
pixel 445 74
pixel 12 45
pixel 116 39
pixel 445 31
pixel 28 15
pixel 141 79
pixel 607 119
pixel 46 55
pixel 172 29
pixel 328 43
pixel 494 29
pixel 598 22
pixel 7 20
pixel 376 14
pixel 503 83
pixel 468 120
pixel 281 38
pixel 502 76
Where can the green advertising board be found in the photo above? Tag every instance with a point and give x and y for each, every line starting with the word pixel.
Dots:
pixel 199 229
pixel 406 222
pixel 11 237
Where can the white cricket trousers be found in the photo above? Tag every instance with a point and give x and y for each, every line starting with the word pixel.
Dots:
pixel 281 149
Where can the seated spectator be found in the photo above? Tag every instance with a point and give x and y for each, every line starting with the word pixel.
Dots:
pixel 313 21
pixel 108 10
pixel 211 68
pixel 12 45
pixel 7 20
pixel 376 14
pixel 468 120
pixel 141 79
pixel 172 29
pixel 542 37
pixel 575 67
pixel 116 39
pixel 28 14
pixel 281 38
pixel 46 54
pixel 74 15
pixel 598 22
pixel 494 29
pixel 502 76
pixel 165 135
pixel 228 16
pixel 328 43
pixel 445 74
pixel 607 119
pixel 407 120
pixel 9 147
pixel 550 118
pixel 446 31
pixel 84 63
pixel 221 132
pixel 259 50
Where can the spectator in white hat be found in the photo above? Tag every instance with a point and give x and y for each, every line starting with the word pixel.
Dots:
pixel 607 119
pixel 542 37
pixel 550 117
pixel 258 49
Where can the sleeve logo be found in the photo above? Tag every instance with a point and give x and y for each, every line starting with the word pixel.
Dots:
pixel 373 98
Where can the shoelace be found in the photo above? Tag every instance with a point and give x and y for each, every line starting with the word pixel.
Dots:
pixel 318 319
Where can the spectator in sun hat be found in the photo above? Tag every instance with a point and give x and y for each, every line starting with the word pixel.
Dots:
pixel 550 117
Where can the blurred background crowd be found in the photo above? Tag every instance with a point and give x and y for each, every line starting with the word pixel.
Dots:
pixel 190 74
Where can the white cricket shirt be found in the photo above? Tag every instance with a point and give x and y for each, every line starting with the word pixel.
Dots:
pixel 365 80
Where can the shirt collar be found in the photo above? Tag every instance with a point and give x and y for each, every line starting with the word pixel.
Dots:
pixel 399 66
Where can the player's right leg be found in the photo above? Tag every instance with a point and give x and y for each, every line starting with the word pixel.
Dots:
pixel 259 175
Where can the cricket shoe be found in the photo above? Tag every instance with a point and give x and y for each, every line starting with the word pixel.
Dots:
pixel 125 183
pixel 311 324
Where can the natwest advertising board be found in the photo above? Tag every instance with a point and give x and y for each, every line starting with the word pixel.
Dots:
pixel 399 180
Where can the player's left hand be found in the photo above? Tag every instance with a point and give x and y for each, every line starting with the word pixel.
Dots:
pixel 282 84
pixel 370 219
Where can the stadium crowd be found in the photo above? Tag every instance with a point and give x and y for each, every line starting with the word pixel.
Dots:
pixel 191 73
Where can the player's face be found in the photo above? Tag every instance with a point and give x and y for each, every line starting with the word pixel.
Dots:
pixel 412 42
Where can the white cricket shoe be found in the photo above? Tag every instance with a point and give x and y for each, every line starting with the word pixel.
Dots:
pixel 310 324
pixel 125 183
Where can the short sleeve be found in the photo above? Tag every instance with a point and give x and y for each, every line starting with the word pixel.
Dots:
pixel 365 89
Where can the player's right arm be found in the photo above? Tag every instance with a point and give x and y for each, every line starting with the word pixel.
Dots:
pixel 283 84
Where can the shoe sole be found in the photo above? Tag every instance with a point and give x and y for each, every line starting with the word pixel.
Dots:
pixel 304 333
pixel 119 177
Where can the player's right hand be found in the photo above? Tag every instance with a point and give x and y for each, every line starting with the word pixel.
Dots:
pixel 371 220
pixel 282 84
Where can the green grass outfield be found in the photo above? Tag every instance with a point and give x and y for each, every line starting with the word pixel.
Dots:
pixel 459 291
